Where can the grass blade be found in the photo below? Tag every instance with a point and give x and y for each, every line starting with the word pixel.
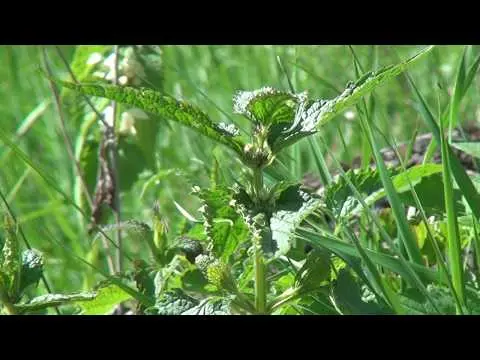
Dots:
pixel 461 177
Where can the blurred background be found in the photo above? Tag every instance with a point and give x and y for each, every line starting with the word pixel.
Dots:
pixel 177 159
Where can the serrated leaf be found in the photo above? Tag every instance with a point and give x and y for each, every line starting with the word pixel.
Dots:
pixel 210 307
pixel 174 302
pixel 165 106
pixel 106 300
pixel 46 301
pixel 32 268
pixel 266 106
pixel 223 225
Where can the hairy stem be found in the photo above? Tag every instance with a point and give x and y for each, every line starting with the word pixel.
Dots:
pixel 260 277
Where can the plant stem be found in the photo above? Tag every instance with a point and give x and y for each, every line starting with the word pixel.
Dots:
pixel 258 184
pixel 260 280
pixel 260 294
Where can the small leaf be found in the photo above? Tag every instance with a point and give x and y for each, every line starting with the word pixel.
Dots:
pixel 190 247
pixel 32 268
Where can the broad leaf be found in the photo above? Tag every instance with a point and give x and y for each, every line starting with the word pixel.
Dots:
pixel 315 270
pixel 107 299
pixel 348 296
pixel 471 148
pixel 425 179
pixel 267 106
pixel 225 228
pixel 339 197
pixel 291 207
pixel 174 302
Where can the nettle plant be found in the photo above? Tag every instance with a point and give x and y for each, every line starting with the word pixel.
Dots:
pixel 246 256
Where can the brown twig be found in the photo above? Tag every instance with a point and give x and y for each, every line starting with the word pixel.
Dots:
pixel 106 246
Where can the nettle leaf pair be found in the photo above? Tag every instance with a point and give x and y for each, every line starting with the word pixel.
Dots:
pixel 279 118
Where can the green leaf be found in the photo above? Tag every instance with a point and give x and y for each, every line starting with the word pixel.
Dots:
pixel 291 207
pixel 348 296
pixel 190 247
pixel 166 106
pixel 194 280
pixel 210 307
pixel 32 268
pixel 106 300
pixel 425 179
pixel 266 106
pixel 225 228
pixel 471 148
pixel 313 114
pixel 416 304
pixel 174 302
pixel 46 301
pixel 339 197
pixel 315 270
